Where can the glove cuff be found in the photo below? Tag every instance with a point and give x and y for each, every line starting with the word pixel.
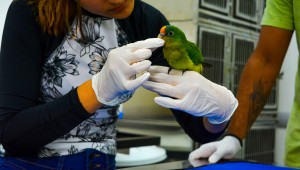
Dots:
pixel 113 102
pixel 233 135
pixel 228 113
pixel 231 109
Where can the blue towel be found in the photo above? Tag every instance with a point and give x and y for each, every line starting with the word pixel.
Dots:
pixel 240 166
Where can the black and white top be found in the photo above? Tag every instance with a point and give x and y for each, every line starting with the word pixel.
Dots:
pixel 71 64
pixel 40 113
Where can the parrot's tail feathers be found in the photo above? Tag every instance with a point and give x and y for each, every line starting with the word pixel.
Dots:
pixel 204 64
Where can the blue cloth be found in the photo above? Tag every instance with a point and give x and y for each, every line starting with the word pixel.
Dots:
pixel 240 166
pixel 88 159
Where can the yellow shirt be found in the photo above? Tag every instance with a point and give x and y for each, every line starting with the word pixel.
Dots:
pixel 286 14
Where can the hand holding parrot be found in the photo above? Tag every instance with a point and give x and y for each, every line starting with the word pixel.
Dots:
pixel 192 93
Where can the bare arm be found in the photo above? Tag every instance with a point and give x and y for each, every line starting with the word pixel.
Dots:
pixel 258 78
pixel 88 98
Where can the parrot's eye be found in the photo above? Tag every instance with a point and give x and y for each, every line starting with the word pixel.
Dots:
pixel 170 33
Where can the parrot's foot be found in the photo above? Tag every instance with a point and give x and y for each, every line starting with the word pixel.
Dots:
pixel 169 70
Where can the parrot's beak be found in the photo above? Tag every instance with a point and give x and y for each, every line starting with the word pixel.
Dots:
pixel 162 32
pixel 161 35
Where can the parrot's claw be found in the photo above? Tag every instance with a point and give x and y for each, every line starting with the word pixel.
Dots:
pixel 169 70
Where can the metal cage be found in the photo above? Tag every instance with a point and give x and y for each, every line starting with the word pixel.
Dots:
pixel 228 48
pixel 246 13
pixel 212 44
pixel 221 6
pixel 259 145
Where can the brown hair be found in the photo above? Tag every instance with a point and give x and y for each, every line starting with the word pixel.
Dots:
pixel 55 16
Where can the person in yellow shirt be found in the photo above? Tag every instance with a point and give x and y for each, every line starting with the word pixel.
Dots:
pixel 280 20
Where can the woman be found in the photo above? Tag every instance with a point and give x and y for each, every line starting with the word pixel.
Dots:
pixel 64 70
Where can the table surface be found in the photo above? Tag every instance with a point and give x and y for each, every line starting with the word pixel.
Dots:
pixel 161 166
pixel 203 165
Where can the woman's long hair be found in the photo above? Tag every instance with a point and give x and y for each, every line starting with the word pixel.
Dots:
pixel 56 16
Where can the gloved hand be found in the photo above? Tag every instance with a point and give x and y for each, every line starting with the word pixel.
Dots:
pixel 193 94
pixel 226 148
pixel 117 77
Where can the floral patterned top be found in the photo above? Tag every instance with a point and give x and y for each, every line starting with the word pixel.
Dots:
pixel 71 64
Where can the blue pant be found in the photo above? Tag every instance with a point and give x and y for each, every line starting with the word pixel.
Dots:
pixel 89 159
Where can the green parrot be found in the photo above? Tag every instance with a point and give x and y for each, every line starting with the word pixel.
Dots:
pixel 180 53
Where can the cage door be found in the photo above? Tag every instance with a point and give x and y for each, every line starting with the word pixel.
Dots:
pixel 213 46
pixel 220 6
pixel 249 10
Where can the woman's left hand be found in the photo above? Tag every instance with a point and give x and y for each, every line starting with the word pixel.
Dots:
pixel 189 91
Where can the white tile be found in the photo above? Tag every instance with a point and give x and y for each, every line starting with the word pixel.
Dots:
pixel 176 9
pixel 189 28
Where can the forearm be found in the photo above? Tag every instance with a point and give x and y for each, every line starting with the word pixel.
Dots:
pixel 258 77
pixel 88 98
pixel 198 127
pixel 25 132
pixel 254 89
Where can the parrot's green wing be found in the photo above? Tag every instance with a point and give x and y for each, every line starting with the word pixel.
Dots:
pixel 196 55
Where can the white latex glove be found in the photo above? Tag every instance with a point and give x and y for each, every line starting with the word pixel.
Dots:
pixel 193 94
pixel 198 162
pixel 226 148
pixel 117 77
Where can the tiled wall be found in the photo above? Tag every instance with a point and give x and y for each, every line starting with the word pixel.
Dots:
pixel 181 13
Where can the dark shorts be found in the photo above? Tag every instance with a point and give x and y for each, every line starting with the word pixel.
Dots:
pixel 89 159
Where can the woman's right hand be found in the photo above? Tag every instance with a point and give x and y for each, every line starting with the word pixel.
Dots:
pixel 118 76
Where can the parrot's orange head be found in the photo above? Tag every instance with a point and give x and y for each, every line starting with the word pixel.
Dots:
pixel 171 32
